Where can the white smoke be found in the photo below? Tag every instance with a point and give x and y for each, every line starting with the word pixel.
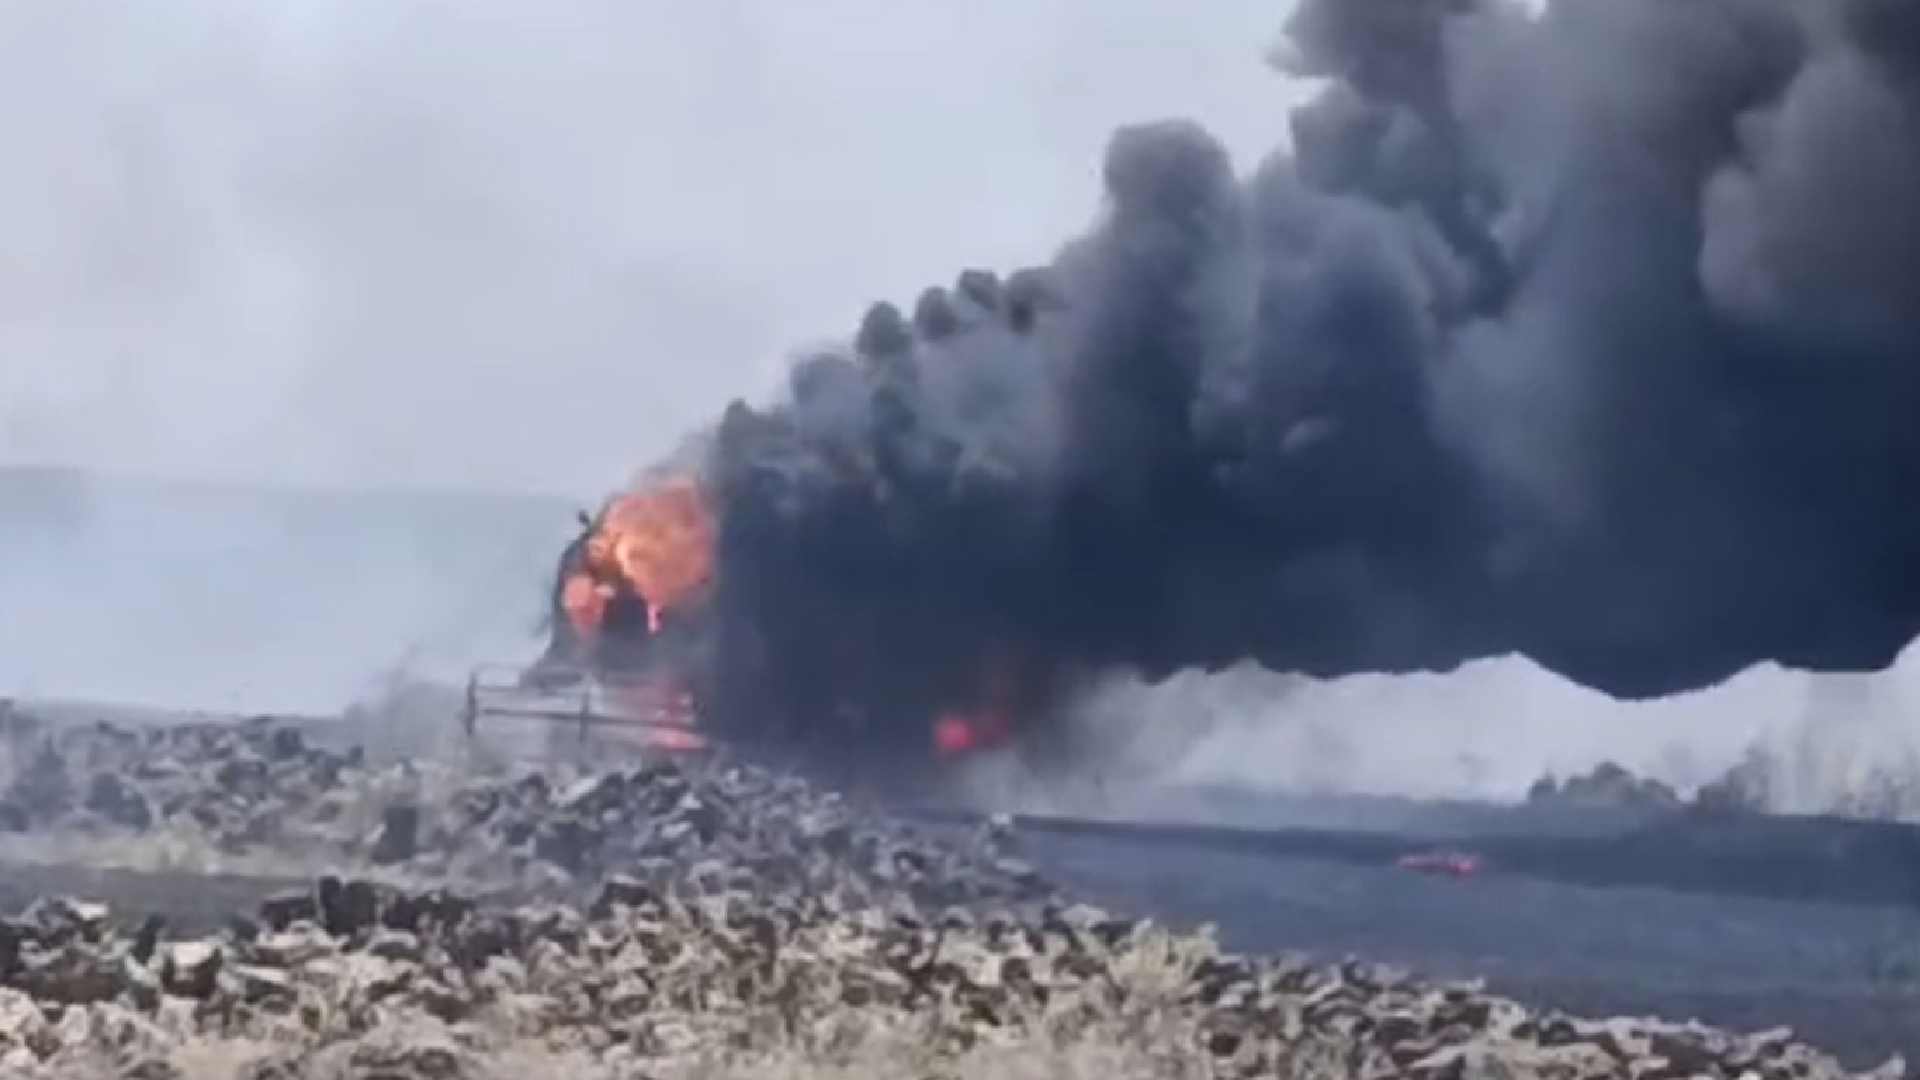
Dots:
pixel 1828 742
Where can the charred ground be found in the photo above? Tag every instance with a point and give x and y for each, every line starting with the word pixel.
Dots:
pixel 689 919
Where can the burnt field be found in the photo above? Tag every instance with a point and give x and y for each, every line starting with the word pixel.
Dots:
pixel 1832 971
pixel 1592 915
pixel 1826 967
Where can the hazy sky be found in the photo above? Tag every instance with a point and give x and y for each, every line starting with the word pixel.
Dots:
pixel 526 245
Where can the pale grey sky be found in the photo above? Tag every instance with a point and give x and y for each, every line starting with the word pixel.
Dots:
pixel 526 245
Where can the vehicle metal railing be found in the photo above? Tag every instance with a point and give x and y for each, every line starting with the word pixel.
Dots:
pixel 659 709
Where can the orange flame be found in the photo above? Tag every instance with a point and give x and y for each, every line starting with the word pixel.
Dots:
pixel 658 540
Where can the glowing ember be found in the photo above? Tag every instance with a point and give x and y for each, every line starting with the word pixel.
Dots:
pixel 953 735
pixel 1445 863
pixel 960 733
pixel 658 540
pixel 988 723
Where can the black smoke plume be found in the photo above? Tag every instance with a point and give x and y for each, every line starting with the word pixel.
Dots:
pixel 1592 335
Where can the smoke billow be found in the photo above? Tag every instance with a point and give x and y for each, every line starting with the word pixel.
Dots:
pixel 1586 334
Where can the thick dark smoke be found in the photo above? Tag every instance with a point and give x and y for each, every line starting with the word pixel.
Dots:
pixel 1591 335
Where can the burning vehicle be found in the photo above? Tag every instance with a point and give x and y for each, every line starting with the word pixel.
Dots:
pixel 758 588
pixel 636 618
pixel 625 603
